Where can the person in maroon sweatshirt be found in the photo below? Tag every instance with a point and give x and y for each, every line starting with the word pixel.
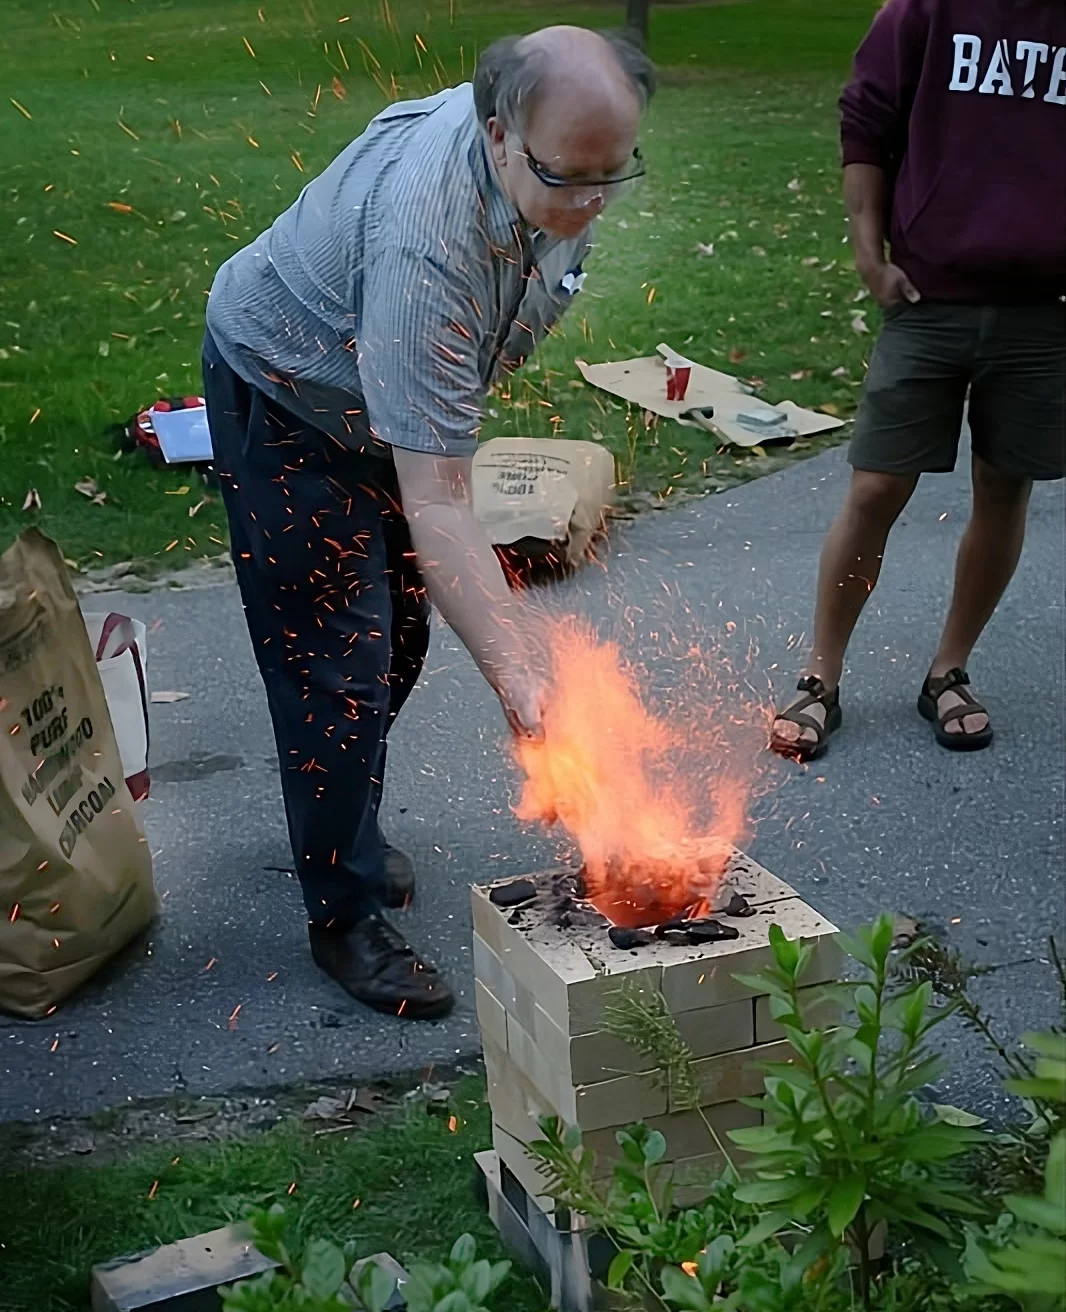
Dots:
pixel 954 152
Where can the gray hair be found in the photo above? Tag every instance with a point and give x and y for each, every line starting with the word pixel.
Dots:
pixel 508 80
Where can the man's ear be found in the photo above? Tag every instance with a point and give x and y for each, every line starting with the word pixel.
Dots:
pixel 497 136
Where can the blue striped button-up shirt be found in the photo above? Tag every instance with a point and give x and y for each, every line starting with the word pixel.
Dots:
pixel 380 306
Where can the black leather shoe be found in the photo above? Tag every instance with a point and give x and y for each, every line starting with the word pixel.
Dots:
pixel 399 879
pixel 377 966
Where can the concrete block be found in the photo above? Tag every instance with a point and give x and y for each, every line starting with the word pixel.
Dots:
pixel 685 1132
pixel 558 1257
pixel 489 969
pixel 734 1075
pixel 513 1152
pixel 491 1015
pixel 619 1102
pixel 184 1276
pixel 822 1012
pixel 712 1030
pixel 703 978
pixel 551 1078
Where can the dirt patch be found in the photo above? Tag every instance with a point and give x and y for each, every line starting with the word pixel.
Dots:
pixel 322 1109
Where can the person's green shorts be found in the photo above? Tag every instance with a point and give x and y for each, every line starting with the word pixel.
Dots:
pixel 1009 360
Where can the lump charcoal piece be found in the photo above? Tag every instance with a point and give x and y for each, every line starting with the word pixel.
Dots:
pixel 709 931
pixel 510 895
pixel 628 938
pixel 739 906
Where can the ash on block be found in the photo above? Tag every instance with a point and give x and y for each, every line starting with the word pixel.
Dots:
pixel 545 967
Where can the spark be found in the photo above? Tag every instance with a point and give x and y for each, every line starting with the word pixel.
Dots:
pixel 265 87
pixel 274 1047
pixel 248 46
pixel 54 1046
pixel 154 1190
pixel 651 295
pixel 689 1268
pixel 35 415
pixel 63 237
pixel 291 1189
pixel 453 1124
pixel 14 914
pixel 211 964
pixel 128 130
pixel 120 207
pixel 21 108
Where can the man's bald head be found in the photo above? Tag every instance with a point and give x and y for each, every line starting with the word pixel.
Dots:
pixel 594 72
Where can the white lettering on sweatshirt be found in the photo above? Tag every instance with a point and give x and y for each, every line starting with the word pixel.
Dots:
pixel 990 72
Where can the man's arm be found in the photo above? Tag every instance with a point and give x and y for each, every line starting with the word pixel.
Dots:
pixel 874 113
pixel 866 198
pixel 466 582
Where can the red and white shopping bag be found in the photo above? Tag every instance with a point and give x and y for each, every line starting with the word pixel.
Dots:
pixel 121 647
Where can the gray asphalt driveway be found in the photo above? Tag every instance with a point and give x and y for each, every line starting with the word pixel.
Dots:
pixel 972 843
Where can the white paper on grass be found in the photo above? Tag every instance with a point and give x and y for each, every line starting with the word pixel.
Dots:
pixel 643 382
pixel 183 435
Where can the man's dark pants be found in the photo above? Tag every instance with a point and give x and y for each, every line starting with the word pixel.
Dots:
pixel 338 618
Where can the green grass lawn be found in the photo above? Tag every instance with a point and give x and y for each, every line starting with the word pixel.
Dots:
pixel 412 1176
pixel 144 141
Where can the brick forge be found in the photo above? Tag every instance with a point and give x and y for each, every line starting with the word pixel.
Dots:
pixel 543 977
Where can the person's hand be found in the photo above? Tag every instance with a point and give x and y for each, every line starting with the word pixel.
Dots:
pixel 523 700
pixel 889 285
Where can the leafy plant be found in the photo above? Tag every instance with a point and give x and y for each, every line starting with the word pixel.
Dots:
pixel 642 1019
pixel 636 1209
pixel 845 1143
pixel 784 1284
pixel 461 1284
pixel 950 975
pixel 310 1277
pixel 1029 1266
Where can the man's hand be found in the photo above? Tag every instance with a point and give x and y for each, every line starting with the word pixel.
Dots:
pixel 523 699
pixel 888 284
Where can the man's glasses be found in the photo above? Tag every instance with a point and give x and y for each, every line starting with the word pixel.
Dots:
pixel 635 169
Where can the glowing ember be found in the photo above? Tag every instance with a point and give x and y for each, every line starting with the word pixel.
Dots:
pixel 611 774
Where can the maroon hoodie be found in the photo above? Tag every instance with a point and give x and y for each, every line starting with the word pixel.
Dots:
pixel 963 104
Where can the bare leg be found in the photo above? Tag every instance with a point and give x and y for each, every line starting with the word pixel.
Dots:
pixel 988 556
pixel 848 570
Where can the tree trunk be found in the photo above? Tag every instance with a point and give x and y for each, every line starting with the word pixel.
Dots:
pixel 637 18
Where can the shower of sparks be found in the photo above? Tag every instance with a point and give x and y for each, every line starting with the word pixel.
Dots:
pixel 653 800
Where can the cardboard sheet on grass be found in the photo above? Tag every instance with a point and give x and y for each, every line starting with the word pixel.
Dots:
pixel 712 400
pixel 75 869
pixel 543 497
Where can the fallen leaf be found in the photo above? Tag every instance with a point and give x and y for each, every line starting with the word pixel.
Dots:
pixel 177 216
pixel 949 1115
pixel 758 450
pixel 182 491
pixel 828 409
pixel 840 372
pixel 87 487
pixel 810 261
pixel 104 348
pixel 199 506
pixel 705 247
pixel 861 295
pixel 338 88
pixel 736 355
pixel 120 207
pixel 758 250
pixel 795 185
pixel 33 500
pixel 858 324
pixel 800 374
pixel 167 696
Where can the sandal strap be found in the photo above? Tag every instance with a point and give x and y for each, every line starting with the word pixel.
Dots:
pixel 795 716
pixel 970 707
pixel 956 680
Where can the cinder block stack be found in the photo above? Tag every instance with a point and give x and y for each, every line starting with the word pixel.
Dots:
pixel 541 990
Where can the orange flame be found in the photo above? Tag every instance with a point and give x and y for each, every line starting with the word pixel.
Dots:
pixel 613 775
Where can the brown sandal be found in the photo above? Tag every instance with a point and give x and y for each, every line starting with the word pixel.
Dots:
pixel 802 749
pixel 933 689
